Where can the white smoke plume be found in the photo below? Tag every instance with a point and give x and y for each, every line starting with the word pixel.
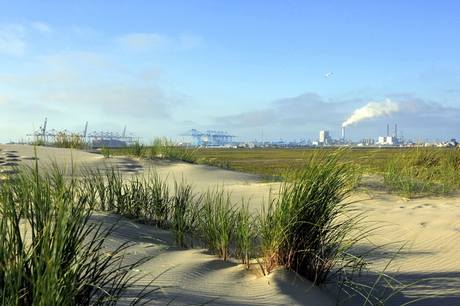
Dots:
pixel 373 110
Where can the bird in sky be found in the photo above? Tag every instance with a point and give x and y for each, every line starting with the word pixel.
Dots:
pixel 328 74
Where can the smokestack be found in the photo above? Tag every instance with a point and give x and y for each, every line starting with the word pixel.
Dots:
pixel 396 131
pixel 388 130
pixel 343 133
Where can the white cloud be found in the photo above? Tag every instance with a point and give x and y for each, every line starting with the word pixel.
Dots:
pixel 190 41
pixel 10 40
pixel 144 41
pixel 289 111
pixel 86 63
pixel 41 27
pixel 12 47
pixel 117 99
pixel 84 31
pixel 148 41
pixel 308 113
pixel 65 69
pixel 5 100
pixel 151 74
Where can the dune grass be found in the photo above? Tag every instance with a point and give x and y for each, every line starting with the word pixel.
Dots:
pixel 308 227
pixel 62 140
pixel 318 237
pixel 51 253
pixel 69 140
pixel 303 229
pixel 159 147
pixel 186 211
pixel 217 226
pixel 245 233
pixel 424 171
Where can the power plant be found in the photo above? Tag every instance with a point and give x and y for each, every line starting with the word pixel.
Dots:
pixel 388 140
pixel 391 140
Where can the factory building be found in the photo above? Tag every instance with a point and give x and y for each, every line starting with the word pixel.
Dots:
pixel 390 140
pixel 367 142
pixel 387 140
pixel 324 137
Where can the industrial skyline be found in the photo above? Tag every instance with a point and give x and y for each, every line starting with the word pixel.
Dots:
pixel 165 67
pixel 221 138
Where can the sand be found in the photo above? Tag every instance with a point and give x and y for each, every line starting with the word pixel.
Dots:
pixel 195 276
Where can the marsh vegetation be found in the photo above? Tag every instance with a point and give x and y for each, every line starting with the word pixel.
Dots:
pixel 406 171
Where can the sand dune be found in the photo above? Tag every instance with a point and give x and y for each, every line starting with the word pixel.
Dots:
pixel 194 276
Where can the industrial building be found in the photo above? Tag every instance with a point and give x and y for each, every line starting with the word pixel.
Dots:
pixel 391 140
pixel 208 138
pixel 324 138
pixel 388 140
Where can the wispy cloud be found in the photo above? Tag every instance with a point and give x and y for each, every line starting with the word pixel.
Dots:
pixel 11 42
pixel 41 27
pixel 156 41
pixel 95 83
pixel 452 91
pixel 127 100
pixel 5 100
pixel 256 118
pixel 144 41
pixel 288 114
pixel 190 40
pixel 84 31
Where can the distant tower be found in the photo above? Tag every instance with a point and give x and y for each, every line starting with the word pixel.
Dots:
pixel 343 133
pixel 324 136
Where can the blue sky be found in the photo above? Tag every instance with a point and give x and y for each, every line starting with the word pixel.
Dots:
pixel 249 68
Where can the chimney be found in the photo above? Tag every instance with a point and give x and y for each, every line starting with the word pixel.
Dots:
pixel 388 130
pixel 343 133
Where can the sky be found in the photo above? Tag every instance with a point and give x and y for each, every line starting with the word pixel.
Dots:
pixel 253 69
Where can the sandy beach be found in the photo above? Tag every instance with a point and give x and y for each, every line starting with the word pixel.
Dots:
pixel 429 226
